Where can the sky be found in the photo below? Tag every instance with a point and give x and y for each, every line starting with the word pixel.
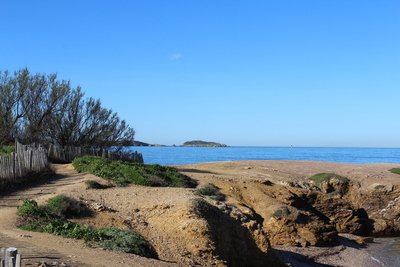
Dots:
pixel 314 73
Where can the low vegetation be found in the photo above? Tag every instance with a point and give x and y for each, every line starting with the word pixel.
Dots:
pixel 282 212
pixel 52 218
pixel 124 173
pixel 395 170
pixel 212 191
pixel 321 177
pixel 6 150
pixel 95 185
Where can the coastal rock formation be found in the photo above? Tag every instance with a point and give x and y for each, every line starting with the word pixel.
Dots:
pixel 295 208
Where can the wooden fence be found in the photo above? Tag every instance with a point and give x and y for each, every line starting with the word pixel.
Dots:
pixel 69 153
pixel 35 157
pixel 10 257
pixel 25 159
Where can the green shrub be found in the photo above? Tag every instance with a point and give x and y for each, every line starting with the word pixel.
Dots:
pixel 6 150
pixel 31 215
pixel 395 170
pixel 212 191
pixel 124 240
pixel 320 177
pixel 63 206
pixel 123 173
pixel 33 226
pixel 282 212
pixel 30 209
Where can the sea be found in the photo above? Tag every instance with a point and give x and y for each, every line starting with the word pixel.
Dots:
pixel 386 253
pixel 169 155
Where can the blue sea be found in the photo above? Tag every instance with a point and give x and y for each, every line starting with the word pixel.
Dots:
pixel 191 155
pixel 387 254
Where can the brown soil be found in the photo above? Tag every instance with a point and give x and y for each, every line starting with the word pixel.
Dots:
pixel 164 216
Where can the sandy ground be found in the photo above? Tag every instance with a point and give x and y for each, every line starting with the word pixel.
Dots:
pixel 36 247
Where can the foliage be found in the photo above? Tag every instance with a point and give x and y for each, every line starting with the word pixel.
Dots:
pixel 395 170
pixel 282 212
pixel 6 150
pixel 212 191
pixel 123 173
pixel 320 177
pixel 40 108
pixel 94 185
pixel 50 218
pixel 125 240
pixel 30 208
pixel 31 216
pixel 64 207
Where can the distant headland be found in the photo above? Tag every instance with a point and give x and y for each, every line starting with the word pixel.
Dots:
pixel 199 143
pixel 138 143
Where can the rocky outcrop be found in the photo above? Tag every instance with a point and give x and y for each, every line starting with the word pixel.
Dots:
pixel 315 216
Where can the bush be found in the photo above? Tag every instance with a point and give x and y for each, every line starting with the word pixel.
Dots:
pixel 123 173
pixel 395 170
pixel 64 207
pixel 126 241
pixel 6 150
pixel 320 177
pixel 212 191
pixel 32 216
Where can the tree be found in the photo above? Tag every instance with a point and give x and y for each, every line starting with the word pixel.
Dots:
pixel 39 108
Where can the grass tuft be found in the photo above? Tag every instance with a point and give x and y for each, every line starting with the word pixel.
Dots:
pixel 321 177
pixel 395 170
pixel 212 191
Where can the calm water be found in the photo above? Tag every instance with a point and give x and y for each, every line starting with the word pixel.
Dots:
pixel 190 155
pixel 388 254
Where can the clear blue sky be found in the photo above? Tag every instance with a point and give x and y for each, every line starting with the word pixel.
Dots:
pixel 243 73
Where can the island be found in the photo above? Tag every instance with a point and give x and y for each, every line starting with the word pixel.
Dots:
pixel 199 143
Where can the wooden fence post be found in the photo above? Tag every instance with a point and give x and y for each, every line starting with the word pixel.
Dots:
pixel 11 253
pixel 3 257
pixel 18 260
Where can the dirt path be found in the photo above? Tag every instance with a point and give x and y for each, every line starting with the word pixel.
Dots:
pixel 36 247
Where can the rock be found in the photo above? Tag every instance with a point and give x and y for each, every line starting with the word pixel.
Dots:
pixel 98 207
pixel 364 240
